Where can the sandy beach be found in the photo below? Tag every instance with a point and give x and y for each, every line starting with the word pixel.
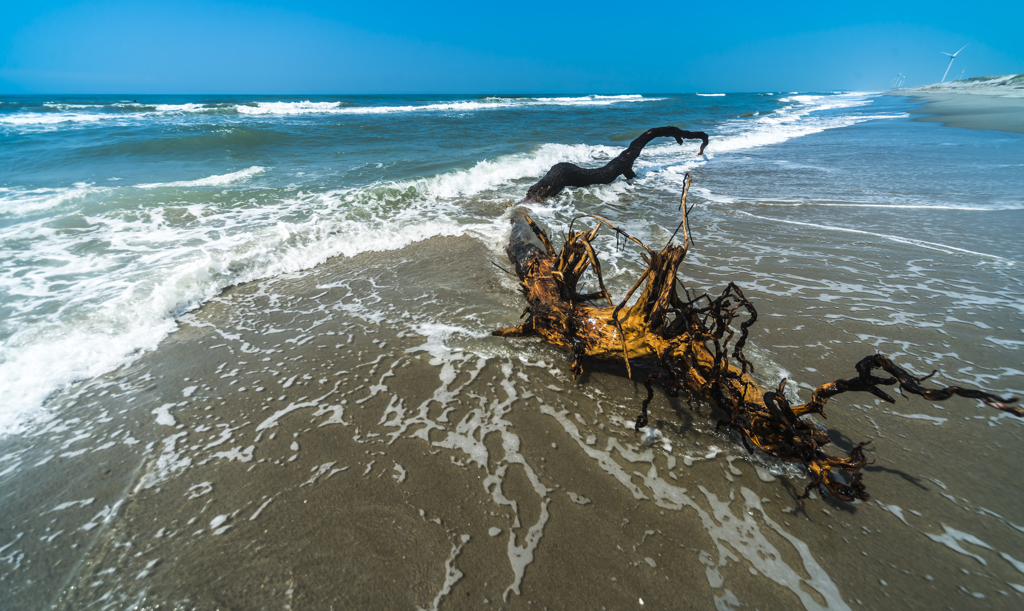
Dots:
pixel 290 447
pixel 972 111
pixel 363 464
pixel 974 105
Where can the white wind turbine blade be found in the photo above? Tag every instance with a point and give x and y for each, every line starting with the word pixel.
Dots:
pixel 952 56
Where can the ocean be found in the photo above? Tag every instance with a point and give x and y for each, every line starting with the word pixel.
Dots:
pixel 245 356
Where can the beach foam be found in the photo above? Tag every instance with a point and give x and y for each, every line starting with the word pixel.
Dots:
pixel 800 116
pixel 110 302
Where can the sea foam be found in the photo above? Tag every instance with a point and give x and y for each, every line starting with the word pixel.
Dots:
pixel 801 116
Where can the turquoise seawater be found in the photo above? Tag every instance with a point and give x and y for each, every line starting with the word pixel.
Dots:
pixel 119 213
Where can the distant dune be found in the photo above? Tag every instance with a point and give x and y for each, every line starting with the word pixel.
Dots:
pixel 1007 86
pixel 995 103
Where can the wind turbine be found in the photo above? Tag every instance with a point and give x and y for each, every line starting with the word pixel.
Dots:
pixel 900 79
pixel 952 56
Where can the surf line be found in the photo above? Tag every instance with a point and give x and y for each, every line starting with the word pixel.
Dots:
pixel 893 238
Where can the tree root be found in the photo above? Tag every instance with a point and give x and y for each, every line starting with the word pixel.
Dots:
pixel 690 338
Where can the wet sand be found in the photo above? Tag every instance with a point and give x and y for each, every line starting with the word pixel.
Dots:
pixel 972 110
pixel 319 440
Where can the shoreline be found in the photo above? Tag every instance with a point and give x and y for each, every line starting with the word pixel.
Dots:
pixel 289 443
pixel 969 110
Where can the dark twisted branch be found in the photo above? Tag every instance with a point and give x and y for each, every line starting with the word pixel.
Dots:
pixel 866 382
pixel 562 175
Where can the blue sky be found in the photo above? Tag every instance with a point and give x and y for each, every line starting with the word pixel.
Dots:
pixel 116 46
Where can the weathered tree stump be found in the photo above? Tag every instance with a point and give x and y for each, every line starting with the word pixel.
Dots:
pixel 691 339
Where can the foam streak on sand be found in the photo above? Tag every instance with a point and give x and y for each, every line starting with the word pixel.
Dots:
pixel 902 240
pixel 730 530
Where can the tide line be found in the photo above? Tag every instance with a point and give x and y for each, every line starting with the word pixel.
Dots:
pixel 795 204
pixel 892 238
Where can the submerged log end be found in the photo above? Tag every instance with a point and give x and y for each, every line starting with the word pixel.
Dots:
pixel 524 330
pixel 524 246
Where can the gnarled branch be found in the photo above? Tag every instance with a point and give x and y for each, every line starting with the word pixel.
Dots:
pixel 562 175
pixel 690 339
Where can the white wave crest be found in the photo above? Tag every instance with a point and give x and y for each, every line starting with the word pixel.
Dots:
pixel 288 108
pixel 492 173
pixel 800 117
pixel 130 112
pixel 592 100
pixel 172 108
pixel 307 107
pixel 23 202
pixel 67 106
pixel 47 119
pixel 72 114
pixel 218 180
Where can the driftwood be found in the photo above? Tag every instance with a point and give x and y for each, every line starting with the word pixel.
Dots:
pixel 692 339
